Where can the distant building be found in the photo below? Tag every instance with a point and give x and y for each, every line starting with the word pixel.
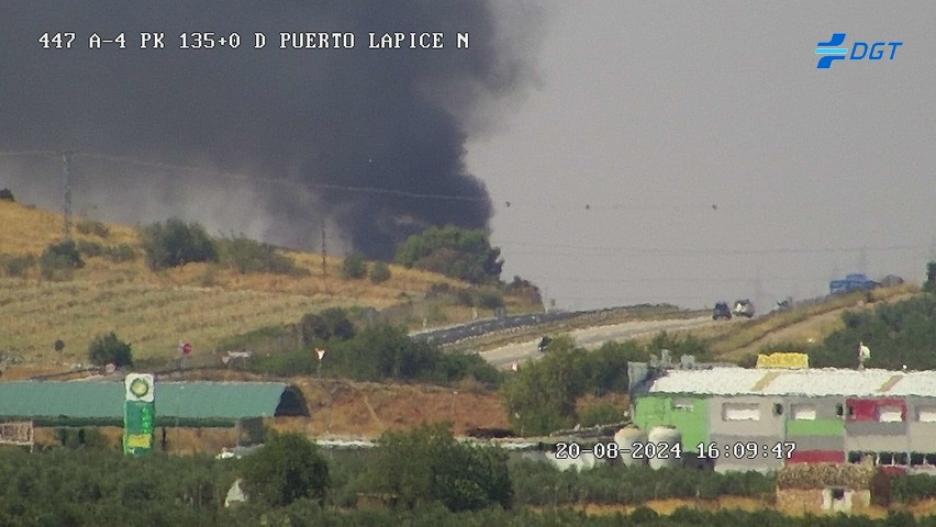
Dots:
pixel 875 416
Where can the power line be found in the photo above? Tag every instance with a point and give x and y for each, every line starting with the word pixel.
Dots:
pixel 286 182
pixel 706 251
pixel 363 189
pixel 699 280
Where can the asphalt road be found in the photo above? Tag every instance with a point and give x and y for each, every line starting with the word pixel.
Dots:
pixel 594 337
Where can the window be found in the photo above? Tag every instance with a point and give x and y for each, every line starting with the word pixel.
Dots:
pixel 838 494
pixel 683 405
pixel 839 410
pixel 885 458
pixel 900 458
pixel 740 412
pixel 851 411
pixel 890 414
pixel 916 459
pixel 803 412
pixel 926 414
pixel 854 457
pixel 778 408
pixel 929 459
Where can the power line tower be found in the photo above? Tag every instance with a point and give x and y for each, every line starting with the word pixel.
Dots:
pixel 66 181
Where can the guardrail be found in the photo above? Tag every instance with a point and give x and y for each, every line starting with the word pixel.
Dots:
pixel 450 335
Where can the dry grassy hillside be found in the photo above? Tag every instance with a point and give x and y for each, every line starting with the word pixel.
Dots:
pixel 801 325
pixel 153 310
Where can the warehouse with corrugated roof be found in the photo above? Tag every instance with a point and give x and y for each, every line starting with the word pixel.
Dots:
pixel 177 403
pixel 823 415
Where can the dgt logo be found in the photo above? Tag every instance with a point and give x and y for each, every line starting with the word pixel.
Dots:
pixel 832 50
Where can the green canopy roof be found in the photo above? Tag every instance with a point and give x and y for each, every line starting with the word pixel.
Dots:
pixel 182 400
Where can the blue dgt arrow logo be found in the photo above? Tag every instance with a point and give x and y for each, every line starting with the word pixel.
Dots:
pixel 830 51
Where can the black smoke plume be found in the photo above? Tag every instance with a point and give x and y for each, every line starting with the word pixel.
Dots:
pixel 298 125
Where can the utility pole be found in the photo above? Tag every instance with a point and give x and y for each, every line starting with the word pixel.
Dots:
pixel 324 251
pixel 67 206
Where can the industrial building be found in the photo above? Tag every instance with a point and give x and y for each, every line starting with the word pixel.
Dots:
pixel 870 416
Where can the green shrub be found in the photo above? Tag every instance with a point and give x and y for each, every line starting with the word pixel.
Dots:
pixel 176 243
pixel 332 323
pixel 542 396
pixel 427 464
pixel 465 254
pixel 379 272
pixel 120 253
pixel 90 227
pixel 90 249
pixel 354 266
pixel 108 349
pixel 59 260
pixel 250 256
pixel 538 483
pixel 490 299
pixel 912 488
pixel 289 467
pixel 601 414
pixel 17 266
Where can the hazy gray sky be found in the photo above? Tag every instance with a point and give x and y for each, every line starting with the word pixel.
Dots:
pixel 651 112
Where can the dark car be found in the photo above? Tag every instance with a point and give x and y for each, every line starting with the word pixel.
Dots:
pixel 721 311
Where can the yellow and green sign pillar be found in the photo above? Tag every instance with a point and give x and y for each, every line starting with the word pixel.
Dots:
pixel 139 413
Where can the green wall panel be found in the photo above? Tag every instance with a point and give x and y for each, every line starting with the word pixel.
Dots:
pixel 692 423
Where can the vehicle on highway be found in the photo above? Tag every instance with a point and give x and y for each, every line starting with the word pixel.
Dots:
pixel 784 304
pixel 721 310
pixel 852 282
pixel 743 308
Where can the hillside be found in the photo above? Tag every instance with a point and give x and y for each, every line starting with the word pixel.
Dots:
pixel 201 303
pixel 802 326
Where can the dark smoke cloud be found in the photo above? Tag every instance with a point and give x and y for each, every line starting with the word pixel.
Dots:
pixel 395 119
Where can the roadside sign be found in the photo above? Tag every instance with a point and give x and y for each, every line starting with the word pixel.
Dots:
pixel 139 413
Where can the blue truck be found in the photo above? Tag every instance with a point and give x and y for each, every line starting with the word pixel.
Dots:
pixel 852 282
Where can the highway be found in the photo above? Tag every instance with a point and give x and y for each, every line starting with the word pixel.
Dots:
pixel 594 337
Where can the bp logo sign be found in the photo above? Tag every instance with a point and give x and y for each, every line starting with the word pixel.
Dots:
pixel 139 388
pixel 139 413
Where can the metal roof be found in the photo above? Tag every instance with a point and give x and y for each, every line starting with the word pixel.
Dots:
pixel 809 382
pixel 184 400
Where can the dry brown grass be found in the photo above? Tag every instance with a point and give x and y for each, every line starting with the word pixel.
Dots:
pixel 343 408
pixel 199 302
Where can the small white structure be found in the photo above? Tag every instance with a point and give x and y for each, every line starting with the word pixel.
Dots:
pixel 660 435
pixel 235 494
pixel 625 439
